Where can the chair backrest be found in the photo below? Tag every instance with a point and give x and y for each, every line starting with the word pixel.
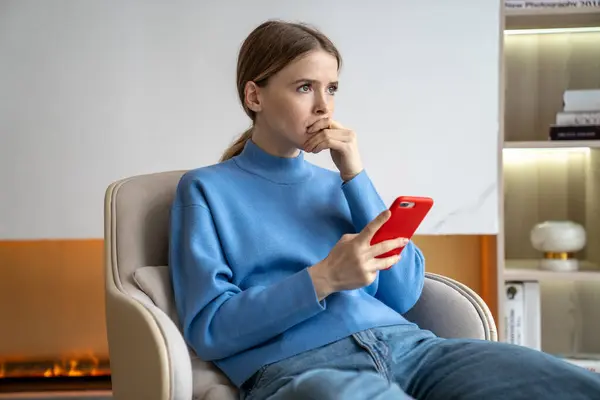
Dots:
pixel 138 210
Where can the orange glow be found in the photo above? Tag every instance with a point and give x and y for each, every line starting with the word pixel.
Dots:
pixel 75 367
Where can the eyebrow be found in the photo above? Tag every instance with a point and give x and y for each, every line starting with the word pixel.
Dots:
pixel 311 81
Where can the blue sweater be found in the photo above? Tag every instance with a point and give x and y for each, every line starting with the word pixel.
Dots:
pixel 243 233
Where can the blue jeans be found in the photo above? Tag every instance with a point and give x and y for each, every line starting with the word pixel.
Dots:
pixel 405 362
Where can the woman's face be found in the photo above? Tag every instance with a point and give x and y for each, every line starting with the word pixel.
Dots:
pixel 298 96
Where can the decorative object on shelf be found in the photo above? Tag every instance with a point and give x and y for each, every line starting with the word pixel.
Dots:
pixel 580 117
pixel 558 241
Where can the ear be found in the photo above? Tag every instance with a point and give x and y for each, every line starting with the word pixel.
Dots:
pixel 252 96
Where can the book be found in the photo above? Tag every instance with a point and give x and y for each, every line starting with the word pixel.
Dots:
pixel 514 313
pixel 574 132
pixel 581 100
pixel 522 314
pixel 578 118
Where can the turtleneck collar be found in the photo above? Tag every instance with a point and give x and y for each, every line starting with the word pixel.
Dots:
pixel 282 170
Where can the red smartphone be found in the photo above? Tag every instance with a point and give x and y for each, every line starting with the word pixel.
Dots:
pixel 407 214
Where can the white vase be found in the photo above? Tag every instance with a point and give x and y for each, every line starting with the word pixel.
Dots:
pixel 558 241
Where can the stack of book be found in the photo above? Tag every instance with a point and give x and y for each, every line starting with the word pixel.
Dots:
pixel 580 117
pixel 523 322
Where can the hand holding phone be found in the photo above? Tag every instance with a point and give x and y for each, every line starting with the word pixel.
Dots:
pixel 356 259
pixel 352 263
pixel 407 213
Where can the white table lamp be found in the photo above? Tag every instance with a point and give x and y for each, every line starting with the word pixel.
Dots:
pixel 558 241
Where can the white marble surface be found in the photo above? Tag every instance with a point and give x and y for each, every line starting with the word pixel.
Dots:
pixel 135 87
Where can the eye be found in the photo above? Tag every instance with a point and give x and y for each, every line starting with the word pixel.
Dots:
pixel 304 88
pixel 332 89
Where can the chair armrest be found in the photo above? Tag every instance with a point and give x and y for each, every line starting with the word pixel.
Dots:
pixel 149 358
pixel 451 309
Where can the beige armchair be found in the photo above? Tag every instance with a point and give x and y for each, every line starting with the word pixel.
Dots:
pixel 148 356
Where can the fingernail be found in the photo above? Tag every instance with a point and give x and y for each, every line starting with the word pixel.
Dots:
pixel 404 240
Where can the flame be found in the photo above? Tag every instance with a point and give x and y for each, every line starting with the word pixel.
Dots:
pixel 72 367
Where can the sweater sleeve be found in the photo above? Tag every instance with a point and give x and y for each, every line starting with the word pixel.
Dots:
pixel 400 286
pixel 218 318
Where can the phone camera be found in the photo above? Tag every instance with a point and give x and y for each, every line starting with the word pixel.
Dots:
pixel 407 204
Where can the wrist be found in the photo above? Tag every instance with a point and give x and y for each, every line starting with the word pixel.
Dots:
pixel 320 280
pixel 346 177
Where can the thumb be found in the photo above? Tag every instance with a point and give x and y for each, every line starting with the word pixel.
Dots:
pixel 347 237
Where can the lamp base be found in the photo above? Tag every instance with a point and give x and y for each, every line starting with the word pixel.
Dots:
pixel 559 264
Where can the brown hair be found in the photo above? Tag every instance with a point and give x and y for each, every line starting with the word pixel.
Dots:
pixel 267 50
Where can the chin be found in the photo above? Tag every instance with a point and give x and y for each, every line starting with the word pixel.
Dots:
pixel 298 140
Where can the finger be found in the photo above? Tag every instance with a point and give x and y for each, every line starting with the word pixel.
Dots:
pixel 372 227
pixel 385 263
pixel 329 143
pixel 319 125
pixel 322 145
pixel 335 125
pixel 326 134
pixel 341 136
pixel 314 140
pixel 388 245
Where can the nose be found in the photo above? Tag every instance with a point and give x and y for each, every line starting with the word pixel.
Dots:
pixel 321 106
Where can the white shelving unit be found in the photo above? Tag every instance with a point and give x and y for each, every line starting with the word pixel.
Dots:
pixel 527 270
pixel 546 52
pixel 564 144
pixel 563 18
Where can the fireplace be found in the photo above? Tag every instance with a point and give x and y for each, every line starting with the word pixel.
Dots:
pixel 52 318
pixel 78 374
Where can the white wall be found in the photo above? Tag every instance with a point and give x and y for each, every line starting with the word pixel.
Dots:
pixel 91 92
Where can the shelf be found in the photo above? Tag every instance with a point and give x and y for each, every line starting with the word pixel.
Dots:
pixel 551 144
pixel 539 275
pixel 527 270
pixel 583 17
pixel 544 53
pixel 538 69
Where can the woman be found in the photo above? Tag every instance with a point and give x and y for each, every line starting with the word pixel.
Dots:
pixel 274 277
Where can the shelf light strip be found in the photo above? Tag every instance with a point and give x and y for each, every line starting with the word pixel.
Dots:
pixel 551 30
pixel 547 149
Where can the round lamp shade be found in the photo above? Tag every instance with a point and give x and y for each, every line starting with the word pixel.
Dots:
pixel 558 240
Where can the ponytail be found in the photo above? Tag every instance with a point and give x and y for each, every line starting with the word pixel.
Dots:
pixel 237 146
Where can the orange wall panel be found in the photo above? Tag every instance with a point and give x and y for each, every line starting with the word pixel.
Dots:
pixel 52 291
pixel 52 299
